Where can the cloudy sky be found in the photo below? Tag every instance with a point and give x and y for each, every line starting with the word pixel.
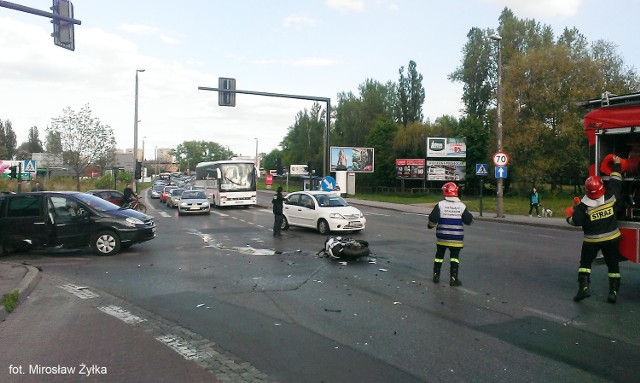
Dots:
pixel 311 48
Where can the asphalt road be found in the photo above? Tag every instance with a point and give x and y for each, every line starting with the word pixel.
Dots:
pixel 298 317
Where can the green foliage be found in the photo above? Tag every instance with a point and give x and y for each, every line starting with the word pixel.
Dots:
pixel 10 301
pixel 104 182
pixel 190 153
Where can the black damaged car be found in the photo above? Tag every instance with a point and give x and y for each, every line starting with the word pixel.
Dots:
pixel 70 220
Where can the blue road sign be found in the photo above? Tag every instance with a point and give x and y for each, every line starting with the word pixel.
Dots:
pixel 328 183
pixel 482 170
pixel 29 166
pixel 501 172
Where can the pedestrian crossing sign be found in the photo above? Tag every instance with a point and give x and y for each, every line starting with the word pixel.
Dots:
pixel 30 166
pixel 482 169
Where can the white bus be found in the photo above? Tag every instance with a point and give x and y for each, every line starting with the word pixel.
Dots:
pixel 228 183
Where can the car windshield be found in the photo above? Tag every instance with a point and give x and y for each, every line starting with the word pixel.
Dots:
pixel 96 202
pixel 158 187
pixel 176 192
pixel 330 200
pixel 193 194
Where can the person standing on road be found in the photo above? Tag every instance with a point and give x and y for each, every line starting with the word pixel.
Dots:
pixel 596 213
pixel 534 201
pixel 449 217
pixel 37 187
pixel 277 203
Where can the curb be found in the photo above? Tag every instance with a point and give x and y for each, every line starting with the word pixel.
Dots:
pixel 26 285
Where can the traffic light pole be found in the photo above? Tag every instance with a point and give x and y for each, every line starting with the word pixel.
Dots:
pixel 327 139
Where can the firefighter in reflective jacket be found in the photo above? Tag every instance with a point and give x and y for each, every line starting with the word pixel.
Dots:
pixel 449 217
pixel 596 213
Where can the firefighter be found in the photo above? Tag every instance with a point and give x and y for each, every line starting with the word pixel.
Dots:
pixel 449 217
pixel 596 213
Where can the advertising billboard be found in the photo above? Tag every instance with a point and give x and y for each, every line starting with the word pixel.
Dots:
pixel 356 160
pixel 446 147
pixel 446 170
pixel 410 168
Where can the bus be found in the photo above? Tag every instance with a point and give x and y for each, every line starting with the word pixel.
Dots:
pixel 228 183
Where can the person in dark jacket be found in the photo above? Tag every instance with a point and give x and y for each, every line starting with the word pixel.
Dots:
pixel 128 195
pixel 534 202
pixel 449 217
pixel 37 187
pixel 277 203
pixel 596 213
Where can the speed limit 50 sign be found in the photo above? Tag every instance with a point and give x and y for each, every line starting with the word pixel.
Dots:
pixel 500 159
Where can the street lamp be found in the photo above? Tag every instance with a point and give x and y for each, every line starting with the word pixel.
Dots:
pixel 156 153
pixel 499 184
pixel 135 134
pixel 142 160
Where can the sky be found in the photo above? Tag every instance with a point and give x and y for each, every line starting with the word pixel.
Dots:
pixel 317 48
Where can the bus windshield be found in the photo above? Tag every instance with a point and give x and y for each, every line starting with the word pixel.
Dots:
pixel 237 177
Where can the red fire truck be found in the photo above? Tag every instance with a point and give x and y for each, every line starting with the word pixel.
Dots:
pixel 612 127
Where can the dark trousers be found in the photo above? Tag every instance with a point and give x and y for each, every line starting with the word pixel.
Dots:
pixel 609 251
pixel 536 206
pixel 454 254
pixel 277 223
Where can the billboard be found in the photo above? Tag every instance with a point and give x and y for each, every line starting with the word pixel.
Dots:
pixel 356 160
pixel 446 170
pixel 446 147
pixel 410 168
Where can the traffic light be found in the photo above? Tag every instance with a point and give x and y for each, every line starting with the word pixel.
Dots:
pixel 309 168
pixel 279 170
pixel 63 30
pixel 226 98
pixel 138 172
pixel 14 171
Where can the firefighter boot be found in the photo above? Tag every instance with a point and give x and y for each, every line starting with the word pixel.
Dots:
pixel 436 271
pixel 614 286
pixel 583 288
pixel 453 280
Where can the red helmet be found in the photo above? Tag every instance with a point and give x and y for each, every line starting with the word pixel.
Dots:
pixel 450 189
pixel 594 187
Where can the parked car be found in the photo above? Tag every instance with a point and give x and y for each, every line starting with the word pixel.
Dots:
pixel 156 190
pixel 323 211
pixel 194 202
pixel 173 198
pixel 165 192
pixel 113 196
pixel 70 220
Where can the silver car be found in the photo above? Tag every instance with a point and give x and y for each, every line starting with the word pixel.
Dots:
pixel 194 202
pixel 173 198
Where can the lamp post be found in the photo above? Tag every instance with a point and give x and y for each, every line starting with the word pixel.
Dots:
pixel 135 134
pixel 142 160
pixel 499 184
pixel 156 153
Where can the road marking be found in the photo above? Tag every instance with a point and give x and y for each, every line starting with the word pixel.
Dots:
pixel 380 214
pixel 220 214
pixel 121 314
pixel 554 317
pixel 164 214
pixel 80 292
pixel 181 346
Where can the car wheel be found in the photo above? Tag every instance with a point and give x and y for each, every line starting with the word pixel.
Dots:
pixel 106 243
pixel 285 224
pixel 323 227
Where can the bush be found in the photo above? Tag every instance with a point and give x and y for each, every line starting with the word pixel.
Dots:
pixel 10 301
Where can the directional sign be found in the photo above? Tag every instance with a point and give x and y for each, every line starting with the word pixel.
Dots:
pixel 482 170
pixel 328 183
pixel 30 166
pixel 500 159
pixel 501 172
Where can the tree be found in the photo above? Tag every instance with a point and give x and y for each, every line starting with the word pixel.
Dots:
pixel 410 96
pixel 33 142
pixel 7 140
pixel 305 139
pixel 53 142
pixel 84 139
pixel 190 153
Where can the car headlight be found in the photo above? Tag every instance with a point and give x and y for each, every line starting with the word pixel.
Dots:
pixel 336 216
pixel 134 221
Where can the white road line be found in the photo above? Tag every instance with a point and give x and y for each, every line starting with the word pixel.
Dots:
pixel 80 292
pixel 164 214
pixel 180 346
pixel 121 314
pixel 220 214
pixel 554 317
pixel 380 214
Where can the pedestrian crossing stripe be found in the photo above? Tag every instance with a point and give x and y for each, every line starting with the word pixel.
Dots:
pixel 30 166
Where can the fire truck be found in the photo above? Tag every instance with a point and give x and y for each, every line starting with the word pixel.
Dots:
pixel 612 127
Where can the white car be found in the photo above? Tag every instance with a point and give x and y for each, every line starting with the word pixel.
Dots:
pixel 193 202
pixel 323 211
